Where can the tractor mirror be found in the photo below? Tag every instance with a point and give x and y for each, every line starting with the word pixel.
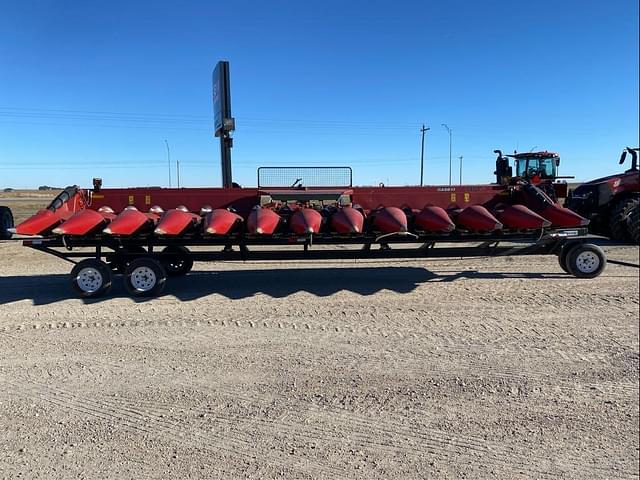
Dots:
pixel 557 162
pixel 623 156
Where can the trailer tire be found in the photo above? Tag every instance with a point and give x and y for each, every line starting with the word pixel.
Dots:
pixel 91 278
pixel 564 253
pixel 144 277
pixel 618 220
pixel 6 222
pixel 562 260
pixel 118 263
pixel 176 260
pixel 586 260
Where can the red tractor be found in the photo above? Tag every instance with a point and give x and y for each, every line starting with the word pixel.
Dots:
pixel 611 203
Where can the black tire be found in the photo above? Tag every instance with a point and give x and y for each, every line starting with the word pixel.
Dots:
pixel 144 277
pixel 618 219
pixel 633 224
pixel 176 260
pixel 118 263
pixel 562 256
pixel 6 222
pixel 91 278
pixel 586 260
pixel 562 260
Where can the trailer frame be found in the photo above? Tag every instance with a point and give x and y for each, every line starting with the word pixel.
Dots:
pixel 169 256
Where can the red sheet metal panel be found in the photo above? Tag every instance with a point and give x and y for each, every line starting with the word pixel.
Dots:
pixel 448 197
pixel 241 199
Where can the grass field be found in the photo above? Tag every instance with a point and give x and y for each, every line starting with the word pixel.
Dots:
pixel 24 203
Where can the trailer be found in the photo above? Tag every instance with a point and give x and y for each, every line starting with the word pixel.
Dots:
pixel 145 263
pixel 297 213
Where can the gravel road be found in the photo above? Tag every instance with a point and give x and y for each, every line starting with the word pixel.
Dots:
pixel 478 368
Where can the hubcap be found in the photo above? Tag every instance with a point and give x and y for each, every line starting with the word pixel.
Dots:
pixel 143 279
pixel 587 262
pixel 89 280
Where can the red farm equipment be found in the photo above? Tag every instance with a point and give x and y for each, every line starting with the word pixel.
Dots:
pixel 611 203
pixel 147 234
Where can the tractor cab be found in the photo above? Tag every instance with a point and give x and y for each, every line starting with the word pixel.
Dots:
pixel 537 168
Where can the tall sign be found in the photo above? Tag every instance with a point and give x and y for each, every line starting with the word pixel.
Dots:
pixel 223 122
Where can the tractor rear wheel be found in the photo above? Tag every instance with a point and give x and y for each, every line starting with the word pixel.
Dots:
pixel 176 260
pixel 6 222
pixel 618 219
pixel 145 277
pixel 586 260
pixel 633 223
pixel 91 278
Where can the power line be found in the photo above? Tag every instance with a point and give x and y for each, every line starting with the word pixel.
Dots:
pixel 19 112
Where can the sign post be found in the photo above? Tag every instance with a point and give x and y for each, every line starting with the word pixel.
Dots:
pixel 224 123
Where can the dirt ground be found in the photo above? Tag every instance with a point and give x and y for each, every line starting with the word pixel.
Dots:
pixel 484 368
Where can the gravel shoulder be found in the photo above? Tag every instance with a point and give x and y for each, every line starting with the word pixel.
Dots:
pixel 475 368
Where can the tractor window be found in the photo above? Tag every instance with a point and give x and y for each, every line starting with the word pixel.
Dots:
pixel 543 167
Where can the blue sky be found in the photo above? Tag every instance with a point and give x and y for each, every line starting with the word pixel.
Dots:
pixel 94 88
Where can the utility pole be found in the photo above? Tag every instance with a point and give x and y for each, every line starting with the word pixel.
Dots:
pixel 178 171
pixel 449 130
pixel 424 129
pixel 168 161
pixel 460 157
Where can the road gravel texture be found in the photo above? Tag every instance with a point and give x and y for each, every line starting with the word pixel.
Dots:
pixel 500 368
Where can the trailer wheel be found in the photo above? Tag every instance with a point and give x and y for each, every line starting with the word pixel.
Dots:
pixel 586 260
pixel 91 278
pixel 562 260
pixel 6 222
pixel 118 263
pixel 176 260
pixel 563 254
pixel 144 277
